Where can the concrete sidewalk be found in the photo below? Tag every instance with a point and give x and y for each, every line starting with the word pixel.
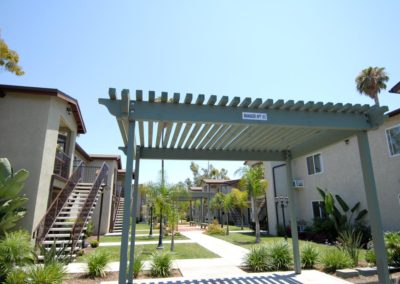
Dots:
pixel 114 244
pixel 288 277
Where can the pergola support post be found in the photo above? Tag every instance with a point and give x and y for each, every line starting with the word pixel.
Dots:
pixel 373 207
pixel 293 215
pixel 127 204
pixel 134 215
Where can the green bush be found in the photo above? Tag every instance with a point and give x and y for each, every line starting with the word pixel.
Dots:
pixel 350 242
pixel 89 229
pixel 94 244
pixel 54 254
pixel 16 276
pixel 370 257
pixel 392 240
pixel 53 273
pixel 137 265
pixel 215 229
pixel 336 259
pixel 257 259
pixel 280 256
pixel 15 250
pixel 97 263
pixel 161 264
pixel 309 256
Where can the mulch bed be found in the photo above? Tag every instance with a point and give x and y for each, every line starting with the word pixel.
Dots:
pixel 111 276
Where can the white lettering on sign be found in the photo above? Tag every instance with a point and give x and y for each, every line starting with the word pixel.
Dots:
pixel 254 116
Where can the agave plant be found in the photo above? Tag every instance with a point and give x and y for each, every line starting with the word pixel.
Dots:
pixel 11 202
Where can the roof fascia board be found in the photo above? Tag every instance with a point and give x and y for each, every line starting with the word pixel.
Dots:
pixel 145 111
pixel 187 154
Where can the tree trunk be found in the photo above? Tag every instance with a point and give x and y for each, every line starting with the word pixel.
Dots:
pixel 151 222
pixel 172 237
pixel 160 237
pixel 227 223
pixel 376 99
pixel 241 219
pixel 255 218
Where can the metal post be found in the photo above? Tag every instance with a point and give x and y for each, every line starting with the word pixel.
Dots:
pixel 202 210
pixel 101 213
pixel 293 215
pixel 284 219
pixel 134 213
pixel 373 207
pixel 208 205
pixel 127 204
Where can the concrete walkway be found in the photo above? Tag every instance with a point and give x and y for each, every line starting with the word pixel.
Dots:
pixel 231 254
pixel 115 244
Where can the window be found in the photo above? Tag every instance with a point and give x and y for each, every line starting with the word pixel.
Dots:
pixel 314 164
pixel 319 209
pixel 393 138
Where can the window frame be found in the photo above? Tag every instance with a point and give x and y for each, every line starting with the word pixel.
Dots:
pixel 320 209
pixel 320 162
pixel 387 140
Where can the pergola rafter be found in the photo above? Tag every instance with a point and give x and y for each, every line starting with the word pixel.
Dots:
pixel 261 130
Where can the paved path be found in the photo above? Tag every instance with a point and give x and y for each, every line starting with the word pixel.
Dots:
pixel 306 277
pixel 114 244
pixel 232 254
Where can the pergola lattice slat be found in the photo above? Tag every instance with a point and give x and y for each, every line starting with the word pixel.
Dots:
pixel 234 131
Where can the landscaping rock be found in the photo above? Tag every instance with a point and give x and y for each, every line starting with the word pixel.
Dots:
pixel 347 273
pixel 367 271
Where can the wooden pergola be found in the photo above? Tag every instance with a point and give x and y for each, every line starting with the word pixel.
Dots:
pixel 168 128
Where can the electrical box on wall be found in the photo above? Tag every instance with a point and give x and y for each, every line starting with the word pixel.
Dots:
pixel 298 183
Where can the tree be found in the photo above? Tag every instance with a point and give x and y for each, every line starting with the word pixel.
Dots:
pixel 371 81
pixel 240 202
pixel 175 193
pixel 254 183
pixel 217 203
pixel 206 173
pixel 228 206
pixel 9 59
pixel 11 202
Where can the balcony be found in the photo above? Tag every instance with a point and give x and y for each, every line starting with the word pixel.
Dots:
pixel 62 165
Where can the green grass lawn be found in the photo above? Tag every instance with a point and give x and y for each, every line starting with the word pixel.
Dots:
pixel 107 239
pixel 182 251
pixel 247 240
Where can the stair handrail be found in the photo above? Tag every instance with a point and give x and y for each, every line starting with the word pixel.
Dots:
pixel 79 225
pixel 116 209
pixel 55 207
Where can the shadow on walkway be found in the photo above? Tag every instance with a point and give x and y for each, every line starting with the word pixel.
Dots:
pixel 270 279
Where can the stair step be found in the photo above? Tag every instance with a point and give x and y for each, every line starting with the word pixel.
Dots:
pixel 56 236
pixel 59 242
pixel 61 229
pixel 64 223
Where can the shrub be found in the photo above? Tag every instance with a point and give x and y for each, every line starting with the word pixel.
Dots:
pixel 215 229
pixel 137 265
pixel 336 259
pixel 89 228
pixel 52 273
pixel 54 254
pixel 392 240
pixel 97 263
pixel 322 230
pixel 161 264
pixel 370 257
pixel 16 276
pixel 350 242
pixel 280 256
pixel 257 259
pixel 94 244
pixel 15 250
pixel 309 256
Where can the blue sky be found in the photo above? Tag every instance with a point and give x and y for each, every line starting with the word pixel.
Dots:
pixel 300 50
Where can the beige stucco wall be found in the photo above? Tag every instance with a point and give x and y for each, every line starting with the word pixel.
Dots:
pixel 342 175
pixel 29 126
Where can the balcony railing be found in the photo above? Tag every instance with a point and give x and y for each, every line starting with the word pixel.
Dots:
pixel 61 165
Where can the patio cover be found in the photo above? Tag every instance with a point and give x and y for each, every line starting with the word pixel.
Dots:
pixel 166 128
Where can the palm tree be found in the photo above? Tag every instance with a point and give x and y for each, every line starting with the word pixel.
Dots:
pixel 371 81
pixel 228 205
pixel 240 202
pixel 217 203
pixel 254 183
